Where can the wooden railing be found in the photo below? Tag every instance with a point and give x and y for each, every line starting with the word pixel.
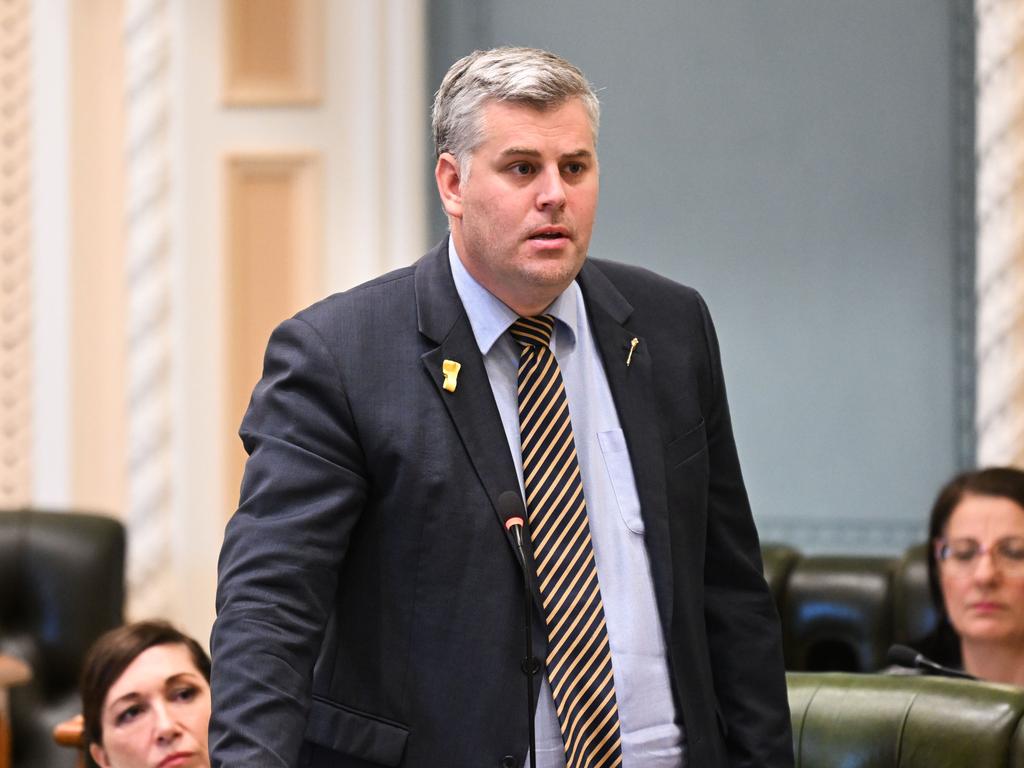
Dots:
pixel 12 672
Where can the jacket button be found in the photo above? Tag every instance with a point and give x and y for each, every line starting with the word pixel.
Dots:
pixel 530 666
pixel 508 762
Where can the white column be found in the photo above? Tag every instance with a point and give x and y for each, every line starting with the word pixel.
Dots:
pixel 403 111
pixel 147 50
pixel 51 224
pixel 377 112
pixel 15 253
pixel 1000 238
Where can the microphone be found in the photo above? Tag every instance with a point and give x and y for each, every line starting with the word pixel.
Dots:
pixel 904 656
pixel 510 507
pixel 513 514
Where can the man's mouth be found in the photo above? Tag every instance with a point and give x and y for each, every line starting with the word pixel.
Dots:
pixel 552 233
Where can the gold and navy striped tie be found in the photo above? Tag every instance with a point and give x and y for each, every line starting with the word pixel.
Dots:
pixel 579 661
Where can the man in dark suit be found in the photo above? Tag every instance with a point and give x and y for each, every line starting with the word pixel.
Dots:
pixel 370 600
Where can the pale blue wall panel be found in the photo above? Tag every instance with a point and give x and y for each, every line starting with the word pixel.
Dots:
pixel 795 162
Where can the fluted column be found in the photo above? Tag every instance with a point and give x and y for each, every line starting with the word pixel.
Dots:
pixel 15 254
pixel 147 47
pixel 1000 239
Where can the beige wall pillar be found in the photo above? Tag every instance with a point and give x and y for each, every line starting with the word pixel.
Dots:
pixel 97 257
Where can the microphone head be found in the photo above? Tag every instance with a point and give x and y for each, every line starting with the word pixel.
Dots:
pixel 510 507
pixel 903 656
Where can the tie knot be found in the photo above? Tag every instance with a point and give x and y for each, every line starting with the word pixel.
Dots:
pixel 533 331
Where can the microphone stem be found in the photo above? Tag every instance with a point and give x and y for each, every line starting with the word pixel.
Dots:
pixel 931 666
pixel 528 667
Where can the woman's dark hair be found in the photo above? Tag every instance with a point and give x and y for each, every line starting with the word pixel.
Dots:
pixel 1000 482
pixel 111 655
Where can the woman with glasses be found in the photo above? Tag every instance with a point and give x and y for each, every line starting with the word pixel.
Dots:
pixel 976 574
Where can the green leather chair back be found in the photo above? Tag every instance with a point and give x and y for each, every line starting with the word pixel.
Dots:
pixel 843 720
pixel 778 560
pixel 915 615
pixel 840 613
pixel 837 613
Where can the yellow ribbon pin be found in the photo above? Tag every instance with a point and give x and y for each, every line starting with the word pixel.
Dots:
pixel 450 369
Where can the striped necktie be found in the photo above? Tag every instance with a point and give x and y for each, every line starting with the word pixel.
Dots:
pixel 579 662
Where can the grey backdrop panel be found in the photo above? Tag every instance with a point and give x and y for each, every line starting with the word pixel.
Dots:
pixel 801 164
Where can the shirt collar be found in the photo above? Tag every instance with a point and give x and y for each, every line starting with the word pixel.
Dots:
pixel 489 317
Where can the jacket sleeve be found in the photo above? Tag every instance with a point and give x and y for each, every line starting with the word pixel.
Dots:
pixel 302 492
pixel 743 628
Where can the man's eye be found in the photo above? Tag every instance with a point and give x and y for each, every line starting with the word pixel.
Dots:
pixel 575 169
pixel 522 169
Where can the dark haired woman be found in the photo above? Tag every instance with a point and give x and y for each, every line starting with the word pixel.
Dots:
pixel 976 574
pixel 146 698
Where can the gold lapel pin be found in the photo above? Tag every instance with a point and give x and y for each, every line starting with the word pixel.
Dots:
pixel 632 347
pixel 450 369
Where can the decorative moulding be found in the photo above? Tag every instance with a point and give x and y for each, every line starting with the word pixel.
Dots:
pixel 273 52
pixel 273 261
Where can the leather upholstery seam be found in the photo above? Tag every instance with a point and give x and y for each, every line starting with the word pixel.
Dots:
pixel 803 722
pixel 903 728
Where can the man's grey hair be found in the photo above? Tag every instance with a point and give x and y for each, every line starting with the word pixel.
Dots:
pixel 528 76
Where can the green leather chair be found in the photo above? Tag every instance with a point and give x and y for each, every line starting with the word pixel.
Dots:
pixel 778 561
pixel 837 613
pixel 840 613
pixel 914 613
pixel 61 587
pixel 845 720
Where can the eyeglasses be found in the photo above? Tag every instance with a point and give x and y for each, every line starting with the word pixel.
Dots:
pixel 959 557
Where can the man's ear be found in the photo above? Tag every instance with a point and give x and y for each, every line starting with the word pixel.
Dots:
pixel 449 184
pixel 99 755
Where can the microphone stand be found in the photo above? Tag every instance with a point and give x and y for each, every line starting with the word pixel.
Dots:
pixel 905 656
pixel 530 665
pixel 513 513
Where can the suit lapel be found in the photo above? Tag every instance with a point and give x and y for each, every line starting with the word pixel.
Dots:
pixel 633 392
pixel 471 406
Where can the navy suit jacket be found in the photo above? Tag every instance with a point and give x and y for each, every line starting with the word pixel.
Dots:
pixel 369 598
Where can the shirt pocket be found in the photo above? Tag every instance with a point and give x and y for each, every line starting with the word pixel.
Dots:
pixel 620 475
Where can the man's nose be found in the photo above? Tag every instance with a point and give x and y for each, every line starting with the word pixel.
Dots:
pixel 551 190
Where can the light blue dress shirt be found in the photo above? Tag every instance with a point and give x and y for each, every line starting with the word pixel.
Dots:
pixel 652 736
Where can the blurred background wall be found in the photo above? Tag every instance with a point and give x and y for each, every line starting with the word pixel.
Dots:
pixel 194 171
pixel 796 162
